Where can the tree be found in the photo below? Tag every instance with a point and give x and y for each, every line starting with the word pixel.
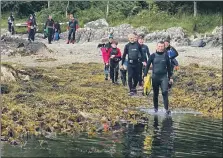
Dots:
pixel 48 4
pixel 68 2
pixel 107 10
pixel 195 8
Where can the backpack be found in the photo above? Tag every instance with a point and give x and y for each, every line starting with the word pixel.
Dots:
pixel 56 36
pixel 171 53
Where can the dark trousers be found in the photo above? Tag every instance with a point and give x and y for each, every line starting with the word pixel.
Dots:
pixel 106 70
pixel 140 73
pixel 123 76
pixel 160 81
pixel 50 34
pixel 11 28
pixel 133 75
pixel 31 34
pixel 114 68
pixel 71 31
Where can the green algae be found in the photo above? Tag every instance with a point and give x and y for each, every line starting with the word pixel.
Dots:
pixel 71 99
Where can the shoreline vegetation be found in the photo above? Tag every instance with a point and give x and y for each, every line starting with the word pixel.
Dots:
pixel 74 98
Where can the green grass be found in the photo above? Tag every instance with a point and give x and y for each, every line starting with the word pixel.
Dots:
pixel 160 21
pixel 153 21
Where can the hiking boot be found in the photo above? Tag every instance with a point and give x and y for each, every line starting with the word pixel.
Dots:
pixel 131 93
pixel 68 42
pixel 134 90
pixel 106 78
pixel 116 82
pixel 168 112
pixel 73 42
pixel 155 110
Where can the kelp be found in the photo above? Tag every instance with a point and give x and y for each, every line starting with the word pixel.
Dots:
pixel 72 99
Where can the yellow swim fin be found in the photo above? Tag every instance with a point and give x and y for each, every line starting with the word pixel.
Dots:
pixel 147 87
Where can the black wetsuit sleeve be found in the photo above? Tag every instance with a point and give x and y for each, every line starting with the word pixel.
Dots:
pixel 149 62
pixel 175 54
pixel 45 24
pixel 124 53
pixel 147 51
pixel 168 66
pixel 141 53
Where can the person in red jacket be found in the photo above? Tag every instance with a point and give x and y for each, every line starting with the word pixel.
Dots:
pixel 114 58
pixel 31 27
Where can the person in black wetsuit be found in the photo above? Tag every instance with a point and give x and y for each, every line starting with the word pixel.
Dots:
pixel 72 27
pixel 134 51
pixel 50 26
pixel 35 24
pixel 146 54
pixel 161 75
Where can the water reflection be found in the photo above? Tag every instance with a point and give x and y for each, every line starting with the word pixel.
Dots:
pixel 163 137
pixel 151 139
pixel 179 135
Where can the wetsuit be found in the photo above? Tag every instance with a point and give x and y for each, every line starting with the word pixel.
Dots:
pixel 134 52
pixel 49 25
pixel 72 26
pixel 146 54
pixel 172 52
pixel 31 31
pixel 161 73
pixel 35 24
pixel 114 63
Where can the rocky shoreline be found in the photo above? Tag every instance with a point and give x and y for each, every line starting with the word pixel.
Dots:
pixel 60 88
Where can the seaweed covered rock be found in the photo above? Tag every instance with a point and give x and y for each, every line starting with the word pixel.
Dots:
pixel 11 46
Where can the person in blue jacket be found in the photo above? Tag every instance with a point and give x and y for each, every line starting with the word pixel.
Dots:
pixel 172 53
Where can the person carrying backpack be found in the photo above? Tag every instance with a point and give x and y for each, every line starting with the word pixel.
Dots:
pixel 172 53
pixel 57 31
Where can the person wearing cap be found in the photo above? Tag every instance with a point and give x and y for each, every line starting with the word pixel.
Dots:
pixel 49 25
pixel 110 39
pixel 172 53
pixel 31 27
pixel 146 54
pixel 114 58
pixel 135 57
pixel 72 28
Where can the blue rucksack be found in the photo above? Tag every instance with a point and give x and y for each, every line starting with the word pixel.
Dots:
pixel 56 36
pixel 171 53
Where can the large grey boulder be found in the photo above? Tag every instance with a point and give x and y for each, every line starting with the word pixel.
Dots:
pixel 98 24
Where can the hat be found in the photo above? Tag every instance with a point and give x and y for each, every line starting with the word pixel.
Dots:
pixel 110 36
